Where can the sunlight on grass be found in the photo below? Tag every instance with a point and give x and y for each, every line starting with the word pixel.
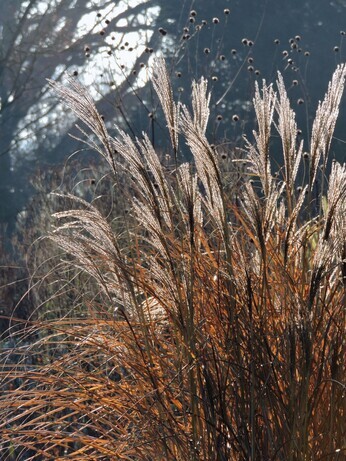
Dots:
pixel 217 326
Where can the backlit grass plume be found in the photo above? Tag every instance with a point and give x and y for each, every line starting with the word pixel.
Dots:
pixel 217 330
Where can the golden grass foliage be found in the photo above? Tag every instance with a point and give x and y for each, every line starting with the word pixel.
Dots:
pixel 218 329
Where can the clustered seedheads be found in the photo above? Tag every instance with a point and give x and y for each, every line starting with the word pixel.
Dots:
pixel 221 333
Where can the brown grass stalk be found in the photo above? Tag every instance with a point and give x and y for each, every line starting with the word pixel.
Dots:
pixel 217 332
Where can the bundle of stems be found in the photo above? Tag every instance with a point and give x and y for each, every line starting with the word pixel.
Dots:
pixel 217 332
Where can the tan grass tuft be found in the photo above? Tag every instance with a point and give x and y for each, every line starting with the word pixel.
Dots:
pixel 216 331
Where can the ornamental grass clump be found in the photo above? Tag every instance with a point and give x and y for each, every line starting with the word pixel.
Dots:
pixel 217 330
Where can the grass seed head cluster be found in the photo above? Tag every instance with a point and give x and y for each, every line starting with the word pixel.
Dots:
pixel 217 332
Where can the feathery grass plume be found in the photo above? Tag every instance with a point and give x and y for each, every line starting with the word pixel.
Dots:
pixel 200 104
pixel 158 192
pixel 328 250
pixel 191 203
pixel 336 196
pixel 88 236
pixel 193 128
pixel 292 231
pixel 287 129
pixel 324 123
pixel 227 339
pixel 259 154
pixel 152 203
pixel 78 99
pixel 262 216
pixel 162 85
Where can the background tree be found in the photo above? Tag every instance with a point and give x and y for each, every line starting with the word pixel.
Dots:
pixel 43 39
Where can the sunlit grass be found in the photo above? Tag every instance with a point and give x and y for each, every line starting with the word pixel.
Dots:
pixel 217 328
